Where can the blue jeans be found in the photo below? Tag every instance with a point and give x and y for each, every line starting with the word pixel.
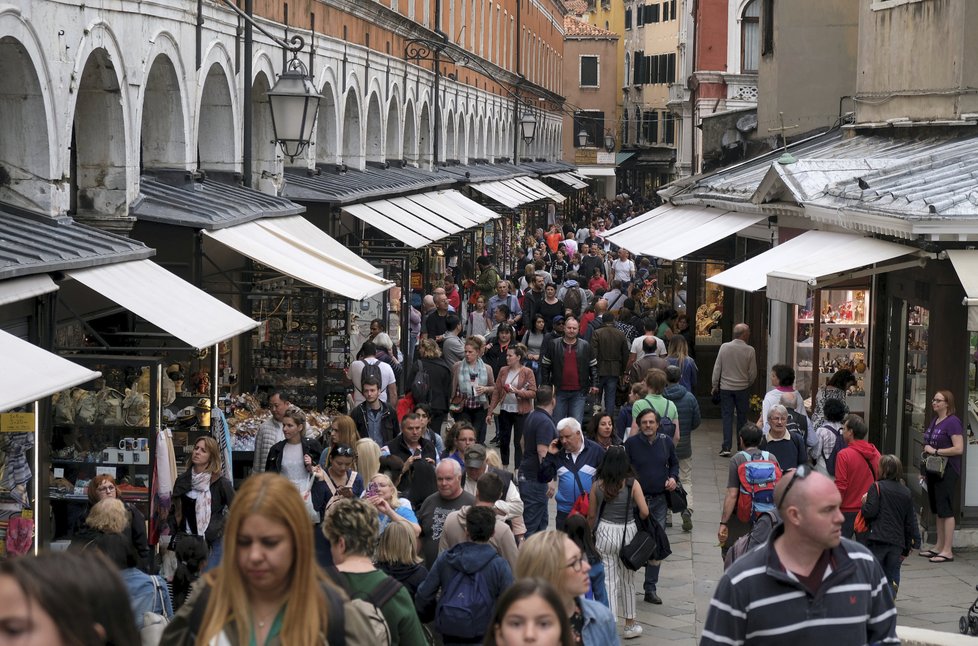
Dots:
pixel 657 510
pixel 570 403
pixel 534 495
pixel 730 400
pixel 609 386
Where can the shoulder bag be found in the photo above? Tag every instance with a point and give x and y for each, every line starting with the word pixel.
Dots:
pixel 935 465
pixel 860 525
pixel 643 547
pixel 583 502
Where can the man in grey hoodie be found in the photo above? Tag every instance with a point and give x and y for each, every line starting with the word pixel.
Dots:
pixel 688 411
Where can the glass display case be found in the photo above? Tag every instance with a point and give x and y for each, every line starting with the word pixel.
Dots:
pixel 710 308
pixel 104 426
pixel 831 334
pixel 915 400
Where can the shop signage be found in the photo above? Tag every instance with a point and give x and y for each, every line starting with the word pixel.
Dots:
pixel 16 422
pixel 606 158
pixel 586 156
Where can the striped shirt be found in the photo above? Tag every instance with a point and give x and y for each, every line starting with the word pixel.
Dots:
pixel 758 602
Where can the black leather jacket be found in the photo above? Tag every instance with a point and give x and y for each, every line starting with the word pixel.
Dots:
pixel 552 364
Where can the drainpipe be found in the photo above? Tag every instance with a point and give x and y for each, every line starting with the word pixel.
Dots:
pixel 249 45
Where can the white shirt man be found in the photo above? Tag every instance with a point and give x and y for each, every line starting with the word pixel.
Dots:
pixel 270 432
pixel 624 267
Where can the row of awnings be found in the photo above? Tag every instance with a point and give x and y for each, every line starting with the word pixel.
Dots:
pixel 418 220
pixel 518 191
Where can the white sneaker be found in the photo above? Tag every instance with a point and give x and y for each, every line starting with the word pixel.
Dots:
pixel 633 631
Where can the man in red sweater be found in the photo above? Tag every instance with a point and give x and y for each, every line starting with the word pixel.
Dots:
pixel 856 467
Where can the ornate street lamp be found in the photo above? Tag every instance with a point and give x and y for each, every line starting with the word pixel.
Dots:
pixel 609 141
pixel 294 103
pixel 528 127
pixel 582 138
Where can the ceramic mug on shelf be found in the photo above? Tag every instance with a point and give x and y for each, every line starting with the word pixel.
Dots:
pixel 127 444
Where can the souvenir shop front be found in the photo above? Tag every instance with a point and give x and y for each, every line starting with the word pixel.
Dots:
pixel 295 283
pixel 692 249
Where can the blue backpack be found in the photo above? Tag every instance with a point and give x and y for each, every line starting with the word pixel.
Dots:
pixel 465 608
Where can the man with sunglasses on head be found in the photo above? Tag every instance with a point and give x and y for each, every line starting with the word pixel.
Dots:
pixel 807 584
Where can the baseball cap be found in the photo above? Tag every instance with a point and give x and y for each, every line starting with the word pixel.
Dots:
pixel 558 319
pixel 475 456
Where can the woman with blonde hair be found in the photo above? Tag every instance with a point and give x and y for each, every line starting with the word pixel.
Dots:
pixel 382 494
pixel 555 558
pixel 201 496
pixel 397 556
pixel 104 486
pixel 472 381
pixel 343 430
pixel 267 590
pixel 679 356
pixel 368 458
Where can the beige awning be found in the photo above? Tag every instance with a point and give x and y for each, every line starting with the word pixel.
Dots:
pixel 31 373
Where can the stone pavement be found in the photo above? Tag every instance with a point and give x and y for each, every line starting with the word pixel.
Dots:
pixel 931 596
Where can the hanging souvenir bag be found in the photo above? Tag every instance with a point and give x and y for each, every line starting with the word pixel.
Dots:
pixel 135 408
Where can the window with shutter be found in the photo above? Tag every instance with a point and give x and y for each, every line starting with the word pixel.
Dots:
pixel 589 71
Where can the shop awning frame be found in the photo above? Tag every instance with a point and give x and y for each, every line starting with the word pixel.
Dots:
pixel 672 232
pixel 20 289
pixel 166 300
pixel 306 258
pixel 965 262
pixel 811 260
pixel 420 219
pixel 38 373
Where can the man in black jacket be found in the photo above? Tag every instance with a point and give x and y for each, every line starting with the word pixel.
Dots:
pixel 417 452
pixel 560 357
pixel 374 419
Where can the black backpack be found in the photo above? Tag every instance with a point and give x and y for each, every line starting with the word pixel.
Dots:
pixel 371 370
pixel 421 385
pixel 840 444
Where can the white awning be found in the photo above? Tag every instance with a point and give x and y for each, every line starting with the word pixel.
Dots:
pixel 672 232
pixel 38 373
pixel 518 191
pixel 307 258
pixel 596 171
pixel 965 263
pixel 20 289
pixel 790 269
pixel 569 179
pixel 418 220
pixel 167 301
pixel 297 228
pixel 539 187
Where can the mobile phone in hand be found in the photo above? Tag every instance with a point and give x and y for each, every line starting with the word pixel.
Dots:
pixel 372 489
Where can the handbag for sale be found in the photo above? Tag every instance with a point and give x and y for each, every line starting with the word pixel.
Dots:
pixel 934 464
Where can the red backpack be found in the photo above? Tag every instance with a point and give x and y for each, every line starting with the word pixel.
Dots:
pixel 757 475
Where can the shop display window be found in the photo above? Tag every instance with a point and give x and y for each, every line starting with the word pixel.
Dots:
pixel 831 334
pixel 104 426
pixel 710 308
pixel 915 397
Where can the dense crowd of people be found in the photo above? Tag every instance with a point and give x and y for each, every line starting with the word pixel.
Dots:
pixel 439 533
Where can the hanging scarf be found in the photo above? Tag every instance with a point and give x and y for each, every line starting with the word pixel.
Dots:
pixel 465 382
pixel 201 492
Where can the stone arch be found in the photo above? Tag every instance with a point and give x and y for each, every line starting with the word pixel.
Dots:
pixel 217 117
pixel 451 152
pixel 424 136
pixel 27 133
pixel 470 147
pixel 393 146
pixel 164 138
pixel 99 129
pixel 375 130
pixel 327 126
pixel 99 160
pixel 409 147
pixel 352 151
pixel 266 161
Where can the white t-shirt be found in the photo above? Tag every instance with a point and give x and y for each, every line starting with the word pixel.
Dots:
pixel 624 269
pixel 386 373
pixel 639 351
pixel 293 466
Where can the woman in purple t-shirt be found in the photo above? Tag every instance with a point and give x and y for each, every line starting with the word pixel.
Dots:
pixel 945 438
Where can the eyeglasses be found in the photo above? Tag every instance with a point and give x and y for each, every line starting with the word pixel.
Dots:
pixel 577 564
pixel 801 472
pixel 343 451
pixel 107 488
